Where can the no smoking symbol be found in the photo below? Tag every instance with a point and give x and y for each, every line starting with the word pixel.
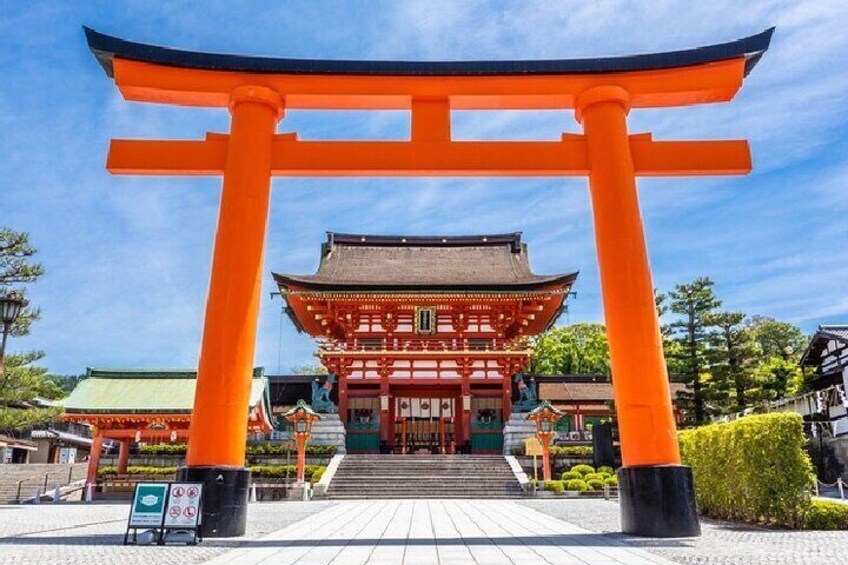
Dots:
pixel 175 511
pixel 189 511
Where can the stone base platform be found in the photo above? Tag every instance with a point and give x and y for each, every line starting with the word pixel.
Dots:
pixel 516 430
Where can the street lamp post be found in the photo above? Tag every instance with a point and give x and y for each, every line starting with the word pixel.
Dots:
pixel 545 415
pixel 10 309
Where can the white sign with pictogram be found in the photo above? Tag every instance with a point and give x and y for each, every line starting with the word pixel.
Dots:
pixel 183 509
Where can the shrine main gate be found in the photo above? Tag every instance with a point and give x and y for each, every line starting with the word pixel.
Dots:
pixel 656 490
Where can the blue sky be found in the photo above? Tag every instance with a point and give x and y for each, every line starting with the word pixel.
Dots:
pixel 127 259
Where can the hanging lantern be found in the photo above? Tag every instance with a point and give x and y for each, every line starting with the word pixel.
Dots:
pixel 137 436
pixel 173 436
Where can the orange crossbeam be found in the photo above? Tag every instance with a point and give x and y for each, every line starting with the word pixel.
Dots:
pixel 699 84
pixel 290 157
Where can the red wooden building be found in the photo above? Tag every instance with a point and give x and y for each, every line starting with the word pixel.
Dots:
pixel 424 334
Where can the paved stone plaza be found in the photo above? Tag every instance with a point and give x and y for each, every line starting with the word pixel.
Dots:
pixel 395 532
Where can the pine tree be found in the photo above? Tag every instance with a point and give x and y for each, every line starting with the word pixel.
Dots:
pixel 733 356
pixel 16 269
pixel 21 381
pixel 693 302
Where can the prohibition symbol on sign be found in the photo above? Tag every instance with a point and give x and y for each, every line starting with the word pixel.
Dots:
pixel 192 492
pixel 174 511
pixel 189 511
pixel 177 492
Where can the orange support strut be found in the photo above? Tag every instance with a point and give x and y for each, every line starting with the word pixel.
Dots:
pixel 219 421
pixel 640 380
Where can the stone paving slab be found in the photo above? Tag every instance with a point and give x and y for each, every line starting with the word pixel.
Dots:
pixel 443 532
pixel 721 543
pixel 426 532
pixel 92 534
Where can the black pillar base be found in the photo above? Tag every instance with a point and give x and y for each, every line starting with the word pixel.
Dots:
pixel 225 491
pixel 658 501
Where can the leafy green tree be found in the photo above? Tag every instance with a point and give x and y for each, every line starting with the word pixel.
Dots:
pixel 779 378
pixel 574 349
pixel 693 302
pixel 778 339
pixel 308 370
pixel 65 383
pixel 671 348
pixel 20 385
pixel 733 356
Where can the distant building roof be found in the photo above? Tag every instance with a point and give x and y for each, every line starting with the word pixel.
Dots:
pixel 130 391
pixel 828 352
pixel 580 388
pixel 373 262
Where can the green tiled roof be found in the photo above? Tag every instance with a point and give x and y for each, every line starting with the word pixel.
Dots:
pixel 122 391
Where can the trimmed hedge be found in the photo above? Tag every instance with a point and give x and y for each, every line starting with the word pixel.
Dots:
pixel 606 469
pixel 826 515
pixel 611 481
pixel 753 469
pixel 572 450
pixel 138 470
pixel 568 475
pixel 279 471
pixel 561 451
pixel 162 448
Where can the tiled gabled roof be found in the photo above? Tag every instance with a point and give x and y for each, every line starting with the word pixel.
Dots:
pixel 369 262
pixel 132 391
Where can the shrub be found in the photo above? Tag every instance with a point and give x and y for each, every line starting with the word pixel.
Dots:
pixel 598 476
pixel 316 476
pixel 583 469
pixel 753 469
pixel 576 484
pixel 826 515
pixel 606 469
pixel 595 484
pixel 568 475
pixel 554 486
pixel 611 481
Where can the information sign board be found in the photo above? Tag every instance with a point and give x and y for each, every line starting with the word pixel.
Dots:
pixel 148 505
pixel 532 446
pixel 183 508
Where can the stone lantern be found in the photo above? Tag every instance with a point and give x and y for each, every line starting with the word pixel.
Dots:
pixel 302 416
pixel 546 416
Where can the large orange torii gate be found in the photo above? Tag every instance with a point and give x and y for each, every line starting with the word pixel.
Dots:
pixel 656 491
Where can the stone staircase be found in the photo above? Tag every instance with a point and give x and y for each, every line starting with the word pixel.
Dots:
pixel 424 476
pixel 31 477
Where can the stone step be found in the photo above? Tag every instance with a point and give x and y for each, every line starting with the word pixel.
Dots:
pixel 431 476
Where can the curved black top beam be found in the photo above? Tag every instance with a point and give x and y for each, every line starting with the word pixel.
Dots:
pixel 106 48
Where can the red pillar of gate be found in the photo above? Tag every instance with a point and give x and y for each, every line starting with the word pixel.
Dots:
pixel 94 456
pixel 216 447
pixel 123 456
pixel 655 488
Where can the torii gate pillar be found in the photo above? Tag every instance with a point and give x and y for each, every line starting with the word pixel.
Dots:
pixel 657 492
pixel 216 450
